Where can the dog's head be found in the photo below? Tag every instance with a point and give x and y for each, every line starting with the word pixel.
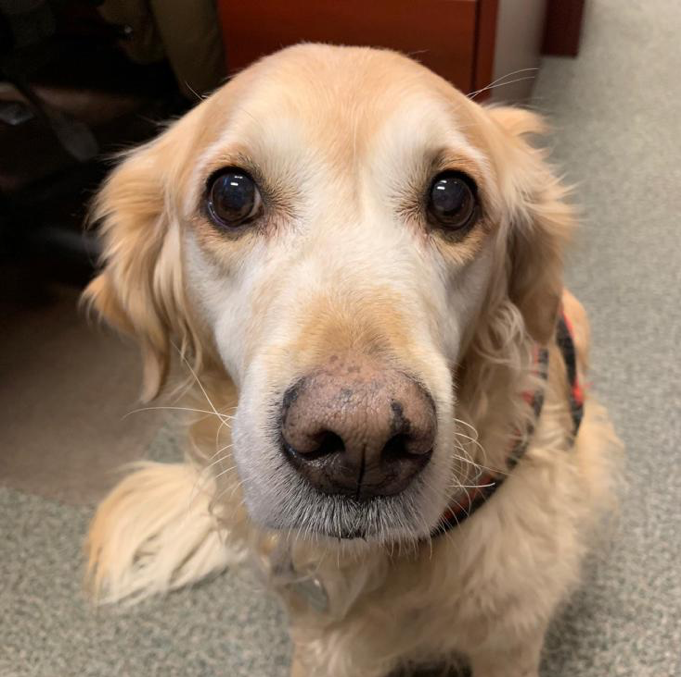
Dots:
pixel 338 229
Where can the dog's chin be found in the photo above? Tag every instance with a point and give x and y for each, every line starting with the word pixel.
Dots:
pixel 314 516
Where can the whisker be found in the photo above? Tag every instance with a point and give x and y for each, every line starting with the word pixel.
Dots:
pixel 201 480
pixel 470 426
pixel 198 381
pixel 189 409
pixel 217 435
pixel 216 462
pixel 194 92
pixel 217 451
pixel 499 81
pixel 472 95
pixel 473 440
pixel 225 471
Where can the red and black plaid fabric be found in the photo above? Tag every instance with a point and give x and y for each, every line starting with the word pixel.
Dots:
pixel 486 486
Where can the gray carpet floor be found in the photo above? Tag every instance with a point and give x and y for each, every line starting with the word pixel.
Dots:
pixel 616 111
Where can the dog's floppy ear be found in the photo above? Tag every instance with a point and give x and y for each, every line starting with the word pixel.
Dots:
pixel 541 222
pixel 139 289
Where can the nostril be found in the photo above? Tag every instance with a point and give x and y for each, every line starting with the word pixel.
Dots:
pixel 324 443
pixel 328 443
pixel 401 447
pixel 395 448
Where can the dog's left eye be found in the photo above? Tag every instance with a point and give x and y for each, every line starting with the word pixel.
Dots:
pixel 233 198
pixel 452 201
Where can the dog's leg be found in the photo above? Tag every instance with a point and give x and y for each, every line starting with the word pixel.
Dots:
pixel 298 669
pixel 521 660
pixel 154 533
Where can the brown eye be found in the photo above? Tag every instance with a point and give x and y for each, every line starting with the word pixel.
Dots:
pixel 452 201
pixel 233 198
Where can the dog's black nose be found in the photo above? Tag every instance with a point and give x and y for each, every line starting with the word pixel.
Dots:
pixel 358 428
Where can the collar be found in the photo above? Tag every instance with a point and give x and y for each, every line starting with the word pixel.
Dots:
pixel 486 486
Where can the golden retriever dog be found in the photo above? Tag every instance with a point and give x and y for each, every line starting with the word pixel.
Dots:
pixel 360 269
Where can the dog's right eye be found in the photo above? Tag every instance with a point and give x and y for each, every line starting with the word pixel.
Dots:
pixel 233 198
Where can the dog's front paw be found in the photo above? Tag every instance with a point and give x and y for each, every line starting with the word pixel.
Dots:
pixel 153 533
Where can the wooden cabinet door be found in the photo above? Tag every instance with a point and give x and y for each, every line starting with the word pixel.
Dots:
pixel 442 34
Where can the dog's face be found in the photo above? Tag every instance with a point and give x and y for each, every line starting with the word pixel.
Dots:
pixel 334 226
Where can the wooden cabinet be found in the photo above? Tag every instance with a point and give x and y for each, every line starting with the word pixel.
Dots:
pixel 456 38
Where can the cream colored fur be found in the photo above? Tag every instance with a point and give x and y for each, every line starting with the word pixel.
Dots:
pixel 155 533
pixel 341 268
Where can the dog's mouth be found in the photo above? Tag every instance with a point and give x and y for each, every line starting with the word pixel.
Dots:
pixel 301 508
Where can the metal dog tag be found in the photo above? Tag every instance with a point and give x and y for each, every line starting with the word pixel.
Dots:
pixel 305 585
pixel 312 590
